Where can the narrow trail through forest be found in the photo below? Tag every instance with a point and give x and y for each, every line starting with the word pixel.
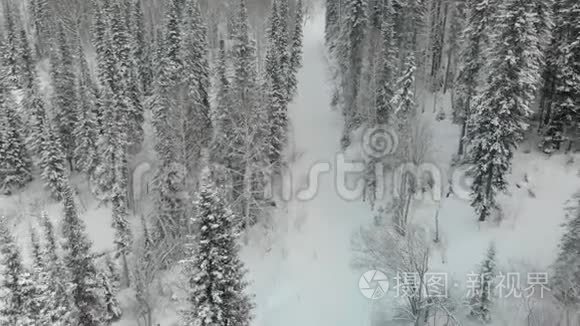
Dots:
pixel 305 278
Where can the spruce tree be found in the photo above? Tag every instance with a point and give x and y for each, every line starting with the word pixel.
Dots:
pixel 296 49
pixel 386 87
pixel 250 146
pixel 110 283
pixel 500 115
pixel 64 98
pixel 223 117
pixel 28 67
pixel 350 58
pixel 41 25
pixel 565 282
pixel 52 161
pixel 475 39
pixel 197 124
pixel 11 48
pixel 168 109
pixel 86 130
pixel 142 51
pixel 482 299
pixel 15 161
pixel 81 265
pixel 56 291
pixel 17 283
pixel 332 23
pixel 276 63
pixel 562 77
pixel 215 272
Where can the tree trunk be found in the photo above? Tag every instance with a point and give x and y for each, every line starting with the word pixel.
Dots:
pixel 461 139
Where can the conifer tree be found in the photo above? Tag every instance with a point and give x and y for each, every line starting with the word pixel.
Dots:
pixel 41 25
pixel 81 265
pixel 296 49
pixel 168 109
pixel 250 144
pixel 333 19
pixel 17 283
pixel 56 292
pixel 565 282
pixel 64 100
pixel 223 118
pixel 276 63
pixel 501 111
pixel 562 77
pixel 11 48
pixel 197 124
pixel 28 73
pixel 142 51
pixel 353 31
pixel 52 161
pixel 475 39
pixel 86 130
pixel 482 299
pixel 110 283
pixel 15 161
pixel 215 272
pixel 386 87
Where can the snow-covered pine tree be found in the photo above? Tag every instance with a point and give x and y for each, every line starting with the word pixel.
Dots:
pixel 404 101
pixel 80 263
pixel 15 161
pixel 41 25
pixel 52 161
pixel 28 66
pixel 100 40
pixel 481 299
pixel 86 130
pixel 11 47
pixel 223 119
pixel 142 50
pixel 476 40
pixel 110 283
pixel 282 42
pixel 565 282
pixel 250 146
pixel 296 49
pixel 168 107
pixel 350 58
pixel 64 98
pixel 501 110
pixel 275 79
pixel 561 91
pixel 56 291
pixel 386 87
pixel 333 19
pixel 17 283
pixel 543 21
pixel 128 130
pixel 197 125
pixel 215 271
